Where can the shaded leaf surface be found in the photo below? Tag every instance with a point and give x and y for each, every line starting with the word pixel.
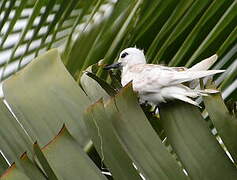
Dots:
pixel 107 144
pixel 13 173
pixel 198 150
pixel 225 123
pixel 30 168
pixel 140 140
pixel 68 160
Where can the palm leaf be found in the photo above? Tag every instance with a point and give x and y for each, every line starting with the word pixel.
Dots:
pixel 131 143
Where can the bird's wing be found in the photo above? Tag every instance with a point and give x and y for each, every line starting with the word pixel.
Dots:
pixel 151 78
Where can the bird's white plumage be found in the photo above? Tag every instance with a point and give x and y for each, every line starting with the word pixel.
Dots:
pixel 156 83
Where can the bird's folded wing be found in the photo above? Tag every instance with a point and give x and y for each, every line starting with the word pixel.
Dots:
pixel 153 77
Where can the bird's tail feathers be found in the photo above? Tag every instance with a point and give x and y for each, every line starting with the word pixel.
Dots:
pixel 208 91
pixel 200 74
pixel 185 99
pixel 191 93
pixel 191 75
pixel 204 64
pixel 204 92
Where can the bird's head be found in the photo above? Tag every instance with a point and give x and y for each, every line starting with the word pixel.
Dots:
pixel 128 57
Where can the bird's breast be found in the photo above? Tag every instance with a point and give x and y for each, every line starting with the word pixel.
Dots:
pixel 127 77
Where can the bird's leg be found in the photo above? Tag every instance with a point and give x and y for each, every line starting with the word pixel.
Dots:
pixel 147 106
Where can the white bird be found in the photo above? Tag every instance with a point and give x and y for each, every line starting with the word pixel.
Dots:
pixel 156 83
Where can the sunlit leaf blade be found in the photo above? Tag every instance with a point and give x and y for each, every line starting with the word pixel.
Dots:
pixel 224 122
pixel 59 99
pixel 13 140
pixel 13 173
pixel 107 143
pixel 140 140
pixel 196 147
pixel 68 160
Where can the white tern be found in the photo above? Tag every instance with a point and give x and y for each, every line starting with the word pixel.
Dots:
pixel 156 83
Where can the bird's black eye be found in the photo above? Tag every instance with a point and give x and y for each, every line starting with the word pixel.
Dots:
pixel 124 55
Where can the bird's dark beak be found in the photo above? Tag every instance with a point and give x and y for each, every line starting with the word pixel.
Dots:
pixel 113 66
